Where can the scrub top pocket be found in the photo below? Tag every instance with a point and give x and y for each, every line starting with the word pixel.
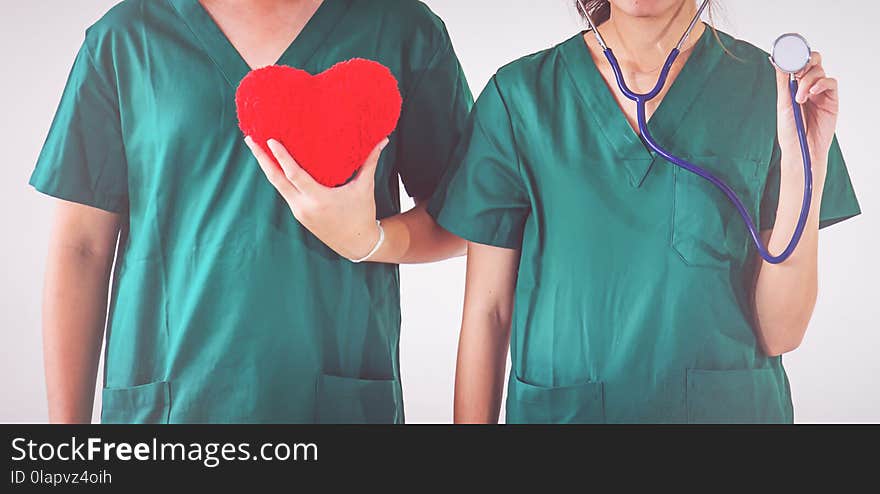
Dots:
pixel 343 400
pixel 145 404
pixel 737 396
pixel 707 230
pixel 579 404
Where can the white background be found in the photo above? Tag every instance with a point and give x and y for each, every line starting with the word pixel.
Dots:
pixel 834 374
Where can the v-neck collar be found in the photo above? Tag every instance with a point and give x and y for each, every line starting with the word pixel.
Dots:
pixel 229 60
pixel 664 124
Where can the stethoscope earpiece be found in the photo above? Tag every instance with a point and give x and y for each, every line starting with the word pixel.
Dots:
pixel 791 53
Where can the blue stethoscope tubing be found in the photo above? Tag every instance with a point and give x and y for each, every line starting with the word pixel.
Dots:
pixel 641 101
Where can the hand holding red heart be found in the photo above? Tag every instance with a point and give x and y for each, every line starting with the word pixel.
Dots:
pixel 330 122
pixel 344 218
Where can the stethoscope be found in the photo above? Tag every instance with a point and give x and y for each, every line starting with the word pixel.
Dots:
pixel 791 54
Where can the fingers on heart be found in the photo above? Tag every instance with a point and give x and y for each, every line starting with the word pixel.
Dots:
pixel 275 176
pixel 284 159
pixel 278 150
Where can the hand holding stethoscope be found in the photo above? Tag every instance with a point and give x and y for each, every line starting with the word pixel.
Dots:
pixel 819 99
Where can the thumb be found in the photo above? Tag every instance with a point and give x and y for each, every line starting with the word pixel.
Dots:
pixel 368 170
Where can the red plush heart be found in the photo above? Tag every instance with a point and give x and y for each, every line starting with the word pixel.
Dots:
pixel 329 122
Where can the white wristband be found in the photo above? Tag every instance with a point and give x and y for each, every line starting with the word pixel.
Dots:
pixel 376 248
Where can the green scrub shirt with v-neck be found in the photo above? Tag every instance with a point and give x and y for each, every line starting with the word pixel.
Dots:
pixel 633 300
pixel 224 308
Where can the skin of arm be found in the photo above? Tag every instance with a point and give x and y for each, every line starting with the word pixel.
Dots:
pixel 344 218
pixel 80 259
pixel 485 333
pixel 785 294
pixel 415 238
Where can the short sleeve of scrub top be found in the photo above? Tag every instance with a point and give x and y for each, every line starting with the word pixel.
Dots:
pixel 83 159
pixel 484 199
pixel 839 202
pixel 439 96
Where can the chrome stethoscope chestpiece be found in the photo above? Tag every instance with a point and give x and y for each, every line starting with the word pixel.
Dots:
pixel 791 53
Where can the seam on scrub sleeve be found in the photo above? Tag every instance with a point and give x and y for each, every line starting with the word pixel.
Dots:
pixel 502 229
pixel 445 45
pixel 417 184
pixel 111 87
pixel 519 167
pixel 90 55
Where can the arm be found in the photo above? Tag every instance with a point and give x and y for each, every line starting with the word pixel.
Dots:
pixel 485 333
pixel 414 237
pixel 785 294
pixel 344 218
pixel 81 252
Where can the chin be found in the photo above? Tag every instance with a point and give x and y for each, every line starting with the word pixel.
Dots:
pixel 647 8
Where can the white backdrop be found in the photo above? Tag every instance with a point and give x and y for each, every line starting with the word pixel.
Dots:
pixel 834 374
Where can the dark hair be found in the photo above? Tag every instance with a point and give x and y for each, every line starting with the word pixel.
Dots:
pixel 598 10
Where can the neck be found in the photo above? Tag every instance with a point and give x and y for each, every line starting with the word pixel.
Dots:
pixel 645 41
pixel 262 7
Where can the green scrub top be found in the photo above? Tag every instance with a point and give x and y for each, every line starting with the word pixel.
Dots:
pixel 224 308
pixel 633 300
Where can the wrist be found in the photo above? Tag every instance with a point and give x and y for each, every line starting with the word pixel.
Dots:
pixel 792 162
pixel 371 242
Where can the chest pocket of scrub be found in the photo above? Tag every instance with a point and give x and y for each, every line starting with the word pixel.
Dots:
pixel 707 230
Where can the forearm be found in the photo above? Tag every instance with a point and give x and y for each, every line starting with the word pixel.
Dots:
pixel 485 333
pixel 480 371
pixel 414 238
pixel 74 315
pixel 785 294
